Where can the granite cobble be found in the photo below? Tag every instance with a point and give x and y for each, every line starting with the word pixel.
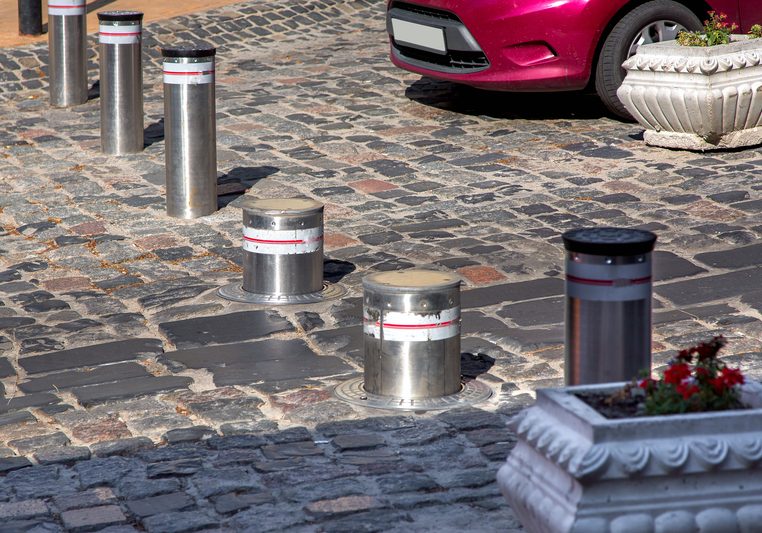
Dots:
pixel 133 398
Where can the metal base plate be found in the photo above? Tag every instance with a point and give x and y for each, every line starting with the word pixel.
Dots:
pixel 353 391
pixel 235 292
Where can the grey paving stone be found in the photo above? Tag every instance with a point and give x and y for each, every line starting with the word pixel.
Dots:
pixel 129 388
pixel 61 455
pixel 112 352
pixel 189 434
pixel 219 329
pixel 744 256
pixel 176 501
pixel 78 378
pixel 270 360
pixel 511 292
pixel 89 498
pixel 6 369
pixel 293 449
pixel 667 265
pixel 180 467
pixel 84 519
pixel 535 312
pixel 29 400
pixel 358 441
pixel 9 464
pixel 711 288
pixel 107 471
pixel 228 503
pixel 223 480
pixel 372 424
pixel 120 447
pixel 23 509
pixel 144 488
pixel 17 417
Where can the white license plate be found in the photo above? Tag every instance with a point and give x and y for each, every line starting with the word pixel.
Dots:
pixel 419 36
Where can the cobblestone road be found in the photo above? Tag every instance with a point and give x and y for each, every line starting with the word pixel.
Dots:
pixel 134 390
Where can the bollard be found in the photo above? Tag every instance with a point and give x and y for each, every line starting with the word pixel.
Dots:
pixel 121 78
pixel 67 40
pixel 30 17
pixel 190 134
pixel 282 253
pixel 608 304
pixel 411 337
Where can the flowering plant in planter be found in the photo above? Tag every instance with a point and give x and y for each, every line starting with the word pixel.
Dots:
pixel 695 380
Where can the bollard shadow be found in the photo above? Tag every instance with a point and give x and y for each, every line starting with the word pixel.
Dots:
pixel 239 180
pixel 506 105
pixel 94 91
pixel 334 270
pixel 93 6
pixel 153 133
pixel 473 364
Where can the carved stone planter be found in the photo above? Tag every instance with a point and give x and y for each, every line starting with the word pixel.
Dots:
pixel 573 470
pixel 696 98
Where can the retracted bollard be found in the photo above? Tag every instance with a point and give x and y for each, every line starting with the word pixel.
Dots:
pixel 121 77
pixel 67 40
pixel 608 304
pixel 282 253
pixel 30 17
pixel 411 337
pixel 190 132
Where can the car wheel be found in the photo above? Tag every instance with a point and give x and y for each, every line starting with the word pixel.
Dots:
pixel 655 21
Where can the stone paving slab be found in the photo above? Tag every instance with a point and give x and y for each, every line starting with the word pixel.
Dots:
pixel 132 395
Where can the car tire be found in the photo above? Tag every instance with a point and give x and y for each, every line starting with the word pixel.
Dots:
pixel 609 73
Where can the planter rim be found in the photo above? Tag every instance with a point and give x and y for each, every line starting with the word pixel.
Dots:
pixel 740 43
pixel 565 398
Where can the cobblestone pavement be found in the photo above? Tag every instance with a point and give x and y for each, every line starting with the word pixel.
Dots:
pixel 146 402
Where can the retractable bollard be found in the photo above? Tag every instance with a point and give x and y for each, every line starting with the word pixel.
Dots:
pixel 190 132
pixel 411 326
pixel 30 17
pixel 67 39
pixel 121 77
pixel 282 253
pixel 608 304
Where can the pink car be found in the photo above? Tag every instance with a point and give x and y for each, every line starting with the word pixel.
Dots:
pixel 542 45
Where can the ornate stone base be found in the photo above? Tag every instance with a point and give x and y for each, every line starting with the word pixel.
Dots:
pixel 574 471
pixel 691 141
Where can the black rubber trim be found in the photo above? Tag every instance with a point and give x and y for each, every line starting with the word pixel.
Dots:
pixel 120 16
pixel 612 242
pixel 190 50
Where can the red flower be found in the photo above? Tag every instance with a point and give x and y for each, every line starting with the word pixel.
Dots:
pixel 685 356
pixel 676 373
pixel 647 383
pixel 687 390
pixel 731 376
pixel 718 384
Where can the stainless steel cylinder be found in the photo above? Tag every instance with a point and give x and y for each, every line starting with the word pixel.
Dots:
pixel 282 246
pixel 411 324
pixel 608 304
pixel 190 132
pixel 67 40
pixel 121 81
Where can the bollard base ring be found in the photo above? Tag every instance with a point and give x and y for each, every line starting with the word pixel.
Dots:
pixel 235 293
pixel 353 391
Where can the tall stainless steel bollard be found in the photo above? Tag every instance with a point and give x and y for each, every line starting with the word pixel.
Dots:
pixel 412 343
pixel 608 304
pixel 190 132
pixel 121 76
pixel 67 39
pixel 282 253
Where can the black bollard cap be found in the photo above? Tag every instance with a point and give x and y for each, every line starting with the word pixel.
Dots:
pixel 189 50
pixel 120 16
pixel 612 242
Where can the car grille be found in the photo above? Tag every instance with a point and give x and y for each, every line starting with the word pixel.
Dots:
pixel 454 61
pixel 421 10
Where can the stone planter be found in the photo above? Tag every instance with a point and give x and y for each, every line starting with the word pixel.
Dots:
pixel 696 98
pixel 573 470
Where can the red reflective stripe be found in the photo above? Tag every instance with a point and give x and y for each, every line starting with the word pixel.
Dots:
pixel 270 241
pixel 605 282
pixel 171 73
pixel 417 326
